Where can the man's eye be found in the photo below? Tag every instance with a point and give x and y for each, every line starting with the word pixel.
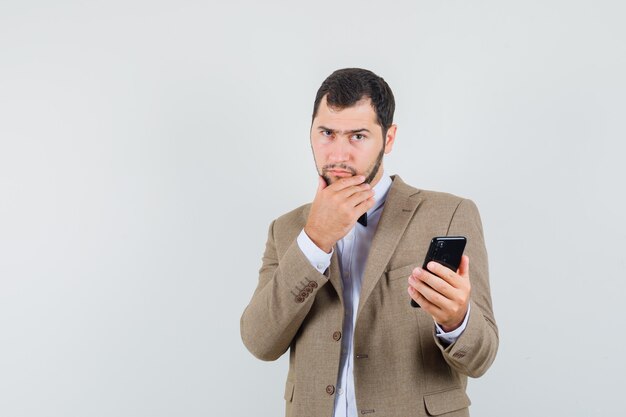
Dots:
pixel 327 133
pixel 358 137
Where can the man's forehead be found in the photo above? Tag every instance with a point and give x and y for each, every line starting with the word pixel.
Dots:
pixel 361 112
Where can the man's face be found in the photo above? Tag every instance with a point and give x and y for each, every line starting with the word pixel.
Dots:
pixel 349 142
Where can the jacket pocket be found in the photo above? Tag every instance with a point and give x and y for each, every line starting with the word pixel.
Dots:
pixel 289 388
pixel 402 272
pixel 446 401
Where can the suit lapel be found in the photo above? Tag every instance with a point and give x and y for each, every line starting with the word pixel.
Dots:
pixel 400 204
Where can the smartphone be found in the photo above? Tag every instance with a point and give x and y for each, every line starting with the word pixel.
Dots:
pixel 446 250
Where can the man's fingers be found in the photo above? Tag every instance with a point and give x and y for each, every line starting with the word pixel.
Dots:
pixel 351 195
pixel 434 283
pixel 417 297
pixel 444 273
pixel 365 205
pixel 360 196
pixel 423 299
pixel 353 189
pixel 346 182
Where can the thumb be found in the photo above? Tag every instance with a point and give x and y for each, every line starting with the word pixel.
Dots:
pixel 321 183
pixel 464 267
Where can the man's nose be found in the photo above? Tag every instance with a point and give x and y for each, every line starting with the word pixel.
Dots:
pixel 339 151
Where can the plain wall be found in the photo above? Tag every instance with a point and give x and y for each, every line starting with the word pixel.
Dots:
pixel 145 146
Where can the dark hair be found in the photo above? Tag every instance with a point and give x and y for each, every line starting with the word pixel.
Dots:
pixel 345 87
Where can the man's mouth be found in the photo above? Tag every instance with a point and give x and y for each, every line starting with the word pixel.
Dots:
pixel 339 170
pixel 339 173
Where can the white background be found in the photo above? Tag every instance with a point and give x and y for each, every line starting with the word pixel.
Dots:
pixel 146 145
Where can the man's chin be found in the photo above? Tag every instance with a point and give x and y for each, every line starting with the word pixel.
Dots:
pixel 333 178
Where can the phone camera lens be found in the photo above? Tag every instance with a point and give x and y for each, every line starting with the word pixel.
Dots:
pixel 440 244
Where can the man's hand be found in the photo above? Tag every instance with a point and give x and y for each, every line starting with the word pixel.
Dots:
pixel 336 208
pixel 443 293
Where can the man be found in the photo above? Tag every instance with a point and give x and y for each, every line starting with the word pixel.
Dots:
pixel 337 275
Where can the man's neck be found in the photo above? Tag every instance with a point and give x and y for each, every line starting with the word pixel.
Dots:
pixel 378 176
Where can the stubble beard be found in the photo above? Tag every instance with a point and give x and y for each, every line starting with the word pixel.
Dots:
pixel 373 170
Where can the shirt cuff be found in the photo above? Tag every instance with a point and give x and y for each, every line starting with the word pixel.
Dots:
pixel 451 337
pixel 319 259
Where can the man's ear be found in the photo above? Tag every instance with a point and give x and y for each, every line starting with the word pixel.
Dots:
pixel 390 138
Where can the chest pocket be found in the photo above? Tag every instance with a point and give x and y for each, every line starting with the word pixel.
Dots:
pixel 402 272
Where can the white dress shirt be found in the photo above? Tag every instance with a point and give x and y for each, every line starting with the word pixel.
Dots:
pixel 352 252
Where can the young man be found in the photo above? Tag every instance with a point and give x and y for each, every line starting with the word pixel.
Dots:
pixel 337 275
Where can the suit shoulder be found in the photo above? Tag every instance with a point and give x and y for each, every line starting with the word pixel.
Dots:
pixel 294 219
pixel 435 197
pixel 446 202
pixel 438 197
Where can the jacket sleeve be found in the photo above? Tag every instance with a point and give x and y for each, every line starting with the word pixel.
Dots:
pixel 475 350
pixel 282 299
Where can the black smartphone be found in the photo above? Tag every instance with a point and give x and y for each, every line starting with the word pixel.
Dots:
pixel 446 250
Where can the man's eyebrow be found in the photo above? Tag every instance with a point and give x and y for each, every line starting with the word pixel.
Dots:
pixel 359 130
pixel 345 131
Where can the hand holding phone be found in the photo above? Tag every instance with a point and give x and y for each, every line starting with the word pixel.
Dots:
pixel 446 250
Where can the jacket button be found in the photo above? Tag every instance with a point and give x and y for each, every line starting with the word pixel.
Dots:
pixel 299 299
pixel 309 290
pixel 304 294
pixel 336 336
pixel 330 389
pixel 313 284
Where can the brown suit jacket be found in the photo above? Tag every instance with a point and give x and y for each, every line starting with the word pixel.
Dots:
pixel 401 369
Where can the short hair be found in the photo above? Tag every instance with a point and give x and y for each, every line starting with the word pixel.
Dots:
pixel 345 87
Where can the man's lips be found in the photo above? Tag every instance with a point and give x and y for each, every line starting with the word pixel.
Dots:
pixel 339 173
